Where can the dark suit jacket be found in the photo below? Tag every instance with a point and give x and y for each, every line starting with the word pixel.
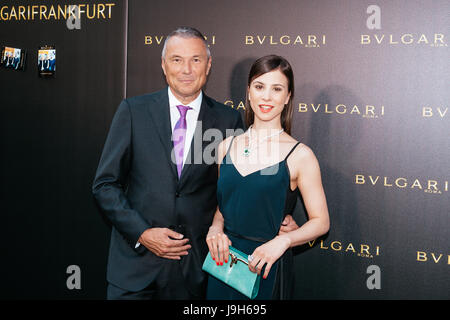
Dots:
pixel 137 187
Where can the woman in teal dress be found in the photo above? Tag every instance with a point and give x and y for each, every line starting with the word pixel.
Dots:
pixel 260 173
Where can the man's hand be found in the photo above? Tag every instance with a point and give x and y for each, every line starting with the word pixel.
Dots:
pixel 165 243
pixel 288 225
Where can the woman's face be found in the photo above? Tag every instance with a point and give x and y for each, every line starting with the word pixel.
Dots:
pixel 268 94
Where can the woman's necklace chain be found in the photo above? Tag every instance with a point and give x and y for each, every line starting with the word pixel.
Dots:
pixel 248 148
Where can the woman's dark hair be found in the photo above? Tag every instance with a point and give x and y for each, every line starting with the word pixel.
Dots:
pixel 267 64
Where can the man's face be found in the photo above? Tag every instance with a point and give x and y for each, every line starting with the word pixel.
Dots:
pixel 186 66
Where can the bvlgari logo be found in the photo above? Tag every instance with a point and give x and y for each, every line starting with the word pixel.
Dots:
pixel 239 105
pixel 373 22
pixel 365 111
pixel 433 40
pixel 426 185
pixel 360 250
pixel 433 257
pixel 306 40
pixel 157 40
pixel 434 112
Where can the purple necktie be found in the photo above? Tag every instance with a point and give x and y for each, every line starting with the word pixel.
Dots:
pixel 179 137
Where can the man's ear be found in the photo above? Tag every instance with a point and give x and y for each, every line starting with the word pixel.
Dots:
pixel 163 65
pixel 208 68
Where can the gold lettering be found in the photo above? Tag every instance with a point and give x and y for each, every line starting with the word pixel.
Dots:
pixel 321 245
pixel 12 14
pixel 271 40
pixel 422 38
pixel 392 41
pixel 442 114
pixel 421 256
pixel 312 39
pixel 249 40
pixel 148 40
pixel 241 105
pixel 371 180
pixel 359 179
pixel 33 13
pixel 259 39
pixel 158 41
pixel 434 258
pixel 370 109
pixel 110 5
pixel 229 103
pixel 285 43
pixel 355 109
pixel 52 13
pixel 416 184
pixel 432 183
pixel 318 106
pixel 3 15
pixel 43 11
pixel 379 40
pixel 311 243
pixel 64 12
pixel 91 16
pixel 427 112
pixel 350 247
pixel 302 107
pixel 399 185
pixel 339 247
pixel 365 249
pixel 80 10
pixel 326 109
pixel 365 39
pixel 385 183
pixel 298 39
pixel 409 36
pixel 100 11
pixel 22 12
pixel 341 105
pixel 439 37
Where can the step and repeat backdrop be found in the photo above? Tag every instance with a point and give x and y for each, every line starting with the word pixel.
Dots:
pixel 371 100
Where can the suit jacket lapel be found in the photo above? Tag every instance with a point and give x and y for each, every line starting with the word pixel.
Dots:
pixel 206 120
pixel 160 114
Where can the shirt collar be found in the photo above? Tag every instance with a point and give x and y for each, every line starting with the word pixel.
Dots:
pixel 173 101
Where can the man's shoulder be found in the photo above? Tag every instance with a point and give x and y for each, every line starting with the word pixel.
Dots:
pixel 147 98
pixel 221 108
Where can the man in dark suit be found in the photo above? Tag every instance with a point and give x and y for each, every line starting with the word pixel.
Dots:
pixel 160 217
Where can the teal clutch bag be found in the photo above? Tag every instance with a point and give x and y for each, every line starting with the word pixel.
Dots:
pixel 234 273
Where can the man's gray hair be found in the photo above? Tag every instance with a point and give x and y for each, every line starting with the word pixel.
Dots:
pixel 188 33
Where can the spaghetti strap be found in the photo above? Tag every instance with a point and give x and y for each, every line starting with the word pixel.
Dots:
pixel 291 150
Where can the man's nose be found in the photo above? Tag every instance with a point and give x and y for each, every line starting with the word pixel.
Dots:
pixel 187 68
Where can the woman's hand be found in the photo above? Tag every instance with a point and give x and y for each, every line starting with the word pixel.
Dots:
pixel 268 253
pixel 218 244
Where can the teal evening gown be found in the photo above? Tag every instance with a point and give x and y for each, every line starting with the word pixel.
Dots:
pixel 253 207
